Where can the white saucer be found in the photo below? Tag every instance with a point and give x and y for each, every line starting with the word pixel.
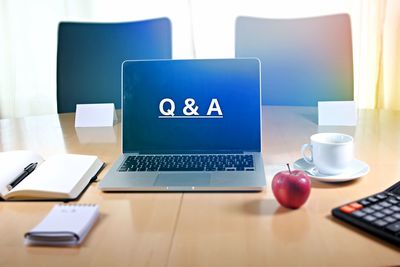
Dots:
pixel 356 169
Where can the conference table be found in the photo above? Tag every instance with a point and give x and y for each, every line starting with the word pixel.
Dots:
pixel 209 229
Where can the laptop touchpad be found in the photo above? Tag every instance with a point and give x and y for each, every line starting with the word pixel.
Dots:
pixel 183 179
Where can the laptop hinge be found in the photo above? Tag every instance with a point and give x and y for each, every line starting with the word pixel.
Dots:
pixel 189 152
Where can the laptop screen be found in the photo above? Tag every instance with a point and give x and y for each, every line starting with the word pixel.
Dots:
pixel 191 106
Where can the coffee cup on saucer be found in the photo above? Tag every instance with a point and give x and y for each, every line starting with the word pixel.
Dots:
pixel 330 153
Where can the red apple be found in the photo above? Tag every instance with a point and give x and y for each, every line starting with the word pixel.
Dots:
pixel 291 188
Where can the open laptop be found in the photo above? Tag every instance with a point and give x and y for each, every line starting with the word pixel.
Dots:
pixel 189 125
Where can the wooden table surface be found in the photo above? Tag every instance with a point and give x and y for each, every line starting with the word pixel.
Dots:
pixel 209 229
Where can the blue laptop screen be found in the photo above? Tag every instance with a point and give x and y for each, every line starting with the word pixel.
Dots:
pixel 189 106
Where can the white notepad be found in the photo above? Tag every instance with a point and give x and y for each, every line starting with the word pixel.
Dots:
pixel 65 225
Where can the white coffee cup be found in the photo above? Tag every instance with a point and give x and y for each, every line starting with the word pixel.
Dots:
pixel 331 153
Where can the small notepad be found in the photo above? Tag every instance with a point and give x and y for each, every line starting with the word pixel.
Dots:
pixel 65 225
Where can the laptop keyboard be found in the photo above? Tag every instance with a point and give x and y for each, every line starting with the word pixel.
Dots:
pixel 153 163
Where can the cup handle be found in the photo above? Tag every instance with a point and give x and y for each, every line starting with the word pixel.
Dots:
pixel 308 159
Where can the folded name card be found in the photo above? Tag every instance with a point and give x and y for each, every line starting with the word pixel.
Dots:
pixel 95 115
pixel 337 113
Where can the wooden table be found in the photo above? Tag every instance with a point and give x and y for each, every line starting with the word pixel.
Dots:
pixel 209 229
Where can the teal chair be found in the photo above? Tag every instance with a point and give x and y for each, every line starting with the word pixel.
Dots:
pixel 90 55
pixel 303 61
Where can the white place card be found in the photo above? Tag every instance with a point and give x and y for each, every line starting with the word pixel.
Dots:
pixel 337 113
pixel 95 115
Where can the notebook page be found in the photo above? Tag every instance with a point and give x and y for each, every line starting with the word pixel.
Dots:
pixel 12 164
pixel 60 173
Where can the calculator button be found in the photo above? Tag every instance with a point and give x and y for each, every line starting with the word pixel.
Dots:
pixel 369 218
pixel 385 204
pixel 376 207
pixel 379 214
pixel 395 208
pixel 388 211
pixel 381 196
pixel 359 213
pixel 356 205
pixel 365 202
pixel 395 227
pixel 367 210
pixel 373 199
pixel 393 201
pixel 390 219
pixel 380 223
pixel 396 215
pixel 347 209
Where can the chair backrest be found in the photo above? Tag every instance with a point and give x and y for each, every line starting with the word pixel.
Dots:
pixel 90 56
pixel 303 61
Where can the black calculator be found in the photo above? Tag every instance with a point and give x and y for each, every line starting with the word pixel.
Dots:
pixel 378 214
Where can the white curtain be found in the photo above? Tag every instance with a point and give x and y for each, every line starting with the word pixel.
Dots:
pixel 201 29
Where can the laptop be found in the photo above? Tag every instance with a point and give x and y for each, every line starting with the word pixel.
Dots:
pixel 189 125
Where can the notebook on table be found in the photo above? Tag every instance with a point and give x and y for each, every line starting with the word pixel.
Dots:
pixel 60 177
pixel 189 125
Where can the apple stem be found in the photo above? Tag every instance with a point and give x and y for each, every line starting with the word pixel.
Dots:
pixel 287 164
